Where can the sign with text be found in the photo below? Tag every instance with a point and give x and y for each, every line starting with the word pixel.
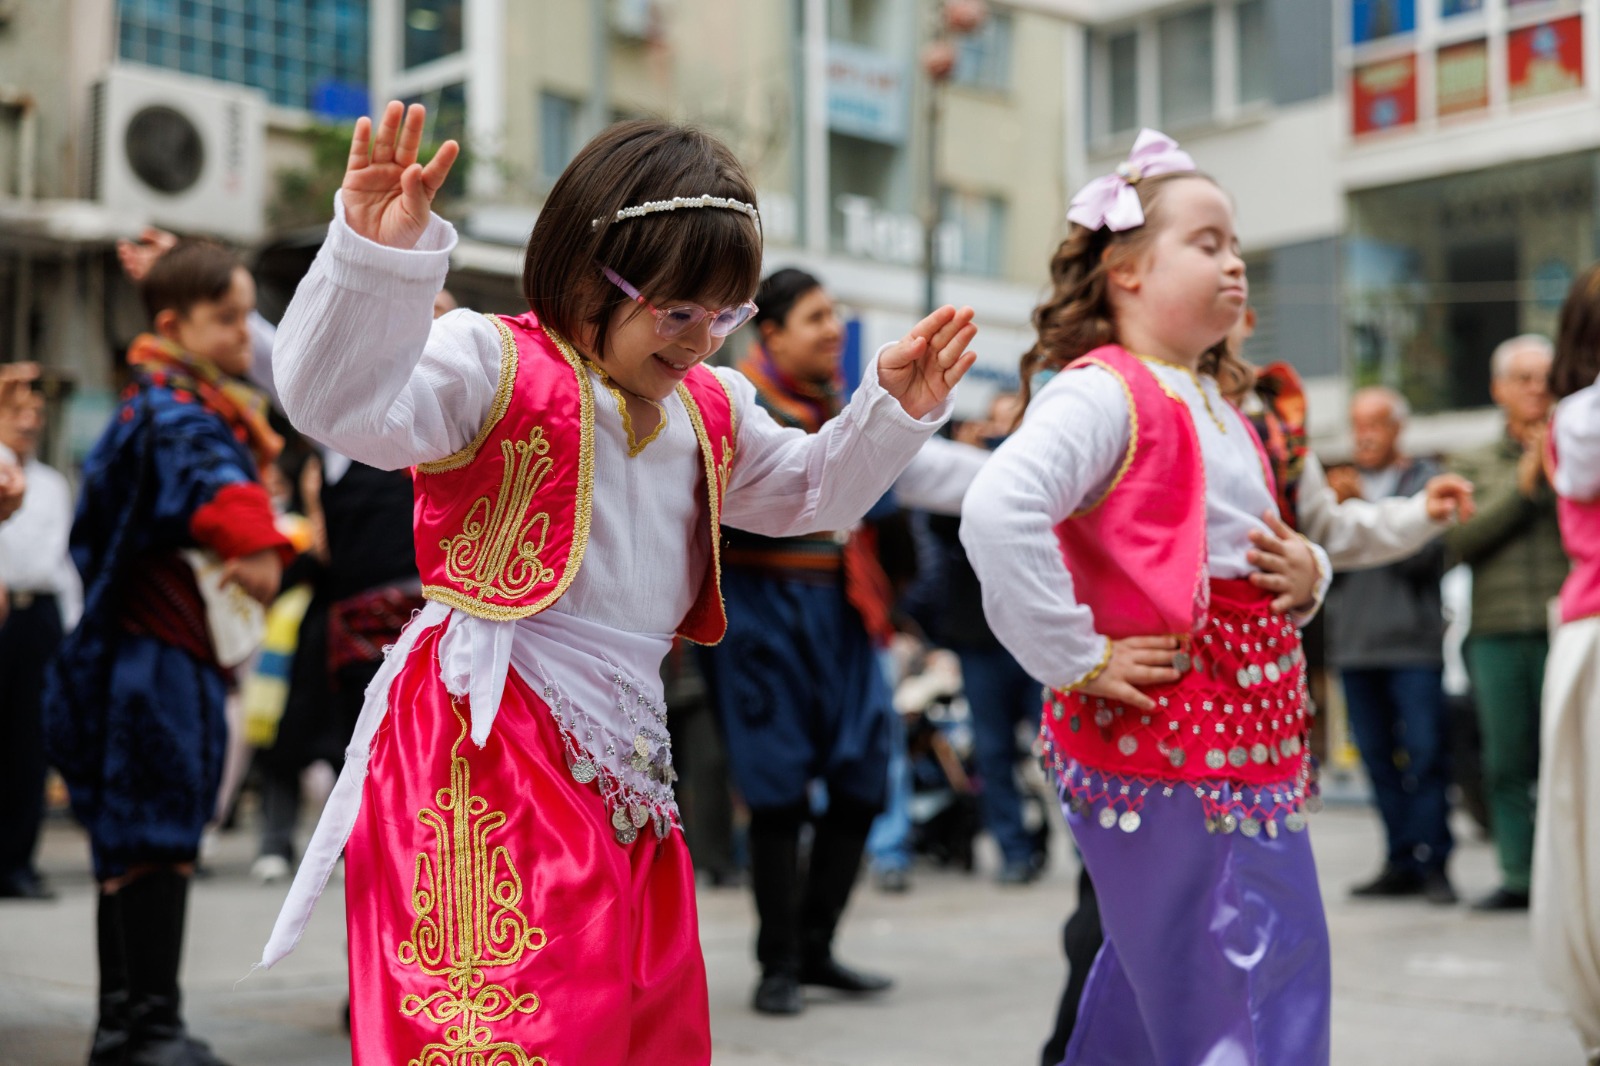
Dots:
pixel 1383 96
pixel 1463 78
pixel 866 93
pixel 1545 59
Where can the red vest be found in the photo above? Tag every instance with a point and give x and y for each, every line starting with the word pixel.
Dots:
pixel 501 526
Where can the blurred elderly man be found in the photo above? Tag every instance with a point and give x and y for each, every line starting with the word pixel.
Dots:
pixel 1513 546
pixel 1386 636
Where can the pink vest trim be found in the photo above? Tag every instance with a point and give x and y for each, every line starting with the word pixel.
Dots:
pixel 502 525
pixel 1580 535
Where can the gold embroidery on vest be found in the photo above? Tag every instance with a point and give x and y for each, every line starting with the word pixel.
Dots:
pixel 497 552
pixel 581 520
pixel 717 475
pixel 466 896
pixel 497 410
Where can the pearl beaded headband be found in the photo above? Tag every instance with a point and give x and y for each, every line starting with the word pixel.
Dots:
pixel 650 207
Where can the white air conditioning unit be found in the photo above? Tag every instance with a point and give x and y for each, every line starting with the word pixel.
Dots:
pixel 188 153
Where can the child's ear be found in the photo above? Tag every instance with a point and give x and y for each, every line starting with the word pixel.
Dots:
pixel 1121 270
pixel 167 322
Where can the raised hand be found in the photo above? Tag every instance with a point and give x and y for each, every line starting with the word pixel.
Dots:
pixel 1450 496
pixel 138 256
pixel 387 194
pixel 1135 663
pixel 922 368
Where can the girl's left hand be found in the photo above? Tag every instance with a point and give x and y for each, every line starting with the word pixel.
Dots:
pixel 921 369
pixel 1285 564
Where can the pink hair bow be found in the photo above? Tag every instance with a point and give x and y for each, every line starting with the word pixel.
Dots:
pixel 1111 201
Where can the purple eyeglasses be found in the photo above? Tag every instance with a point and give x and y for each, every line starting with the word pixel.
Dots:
pixel 673 322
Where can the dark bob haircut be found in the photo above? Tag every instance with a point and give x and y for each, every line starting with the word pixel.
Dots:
pixel 779 292
pixel 707 254
pixel 192 271
pixel 1577 360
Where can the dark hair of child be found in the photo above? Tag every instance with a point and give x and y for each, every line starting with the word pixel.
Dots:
pixel 779 292
pixel 1577 361
pixel 195 270
pixel 709 255
pixel 1076 317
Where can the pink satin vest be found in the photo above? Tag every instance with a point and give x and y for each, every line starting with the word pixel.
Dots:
pixel 1137 555
pixel 1580 535
pixel 501 526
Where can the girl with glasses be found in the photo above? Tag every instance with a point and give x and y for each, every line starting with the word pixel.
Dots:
pixel 516 883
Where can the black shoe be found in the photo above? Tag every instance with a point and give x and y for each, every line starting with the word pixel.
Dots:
pixel 1394 881
pixel 25 884
pixel 153 910
pixel 894 880
pixel 778 993
pixel 1502 899
pixel 1018 873
pixel 828 973
pixel 1437 888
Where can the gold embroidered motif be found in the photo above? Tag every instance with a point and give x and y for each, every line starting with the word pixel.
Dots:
pixel 635 446
pixel 466 896
pixel 581 521
pixel 497 411
pixel 497 552
pixel 716 483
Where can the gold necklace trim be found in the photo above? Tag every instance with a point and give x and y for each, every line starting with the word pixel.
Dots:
pixel 635 446
pixel 1197 387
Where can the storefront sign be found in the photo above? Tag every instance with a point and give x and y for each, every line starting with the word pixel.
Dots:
pixel 1383 96
pixel 1450 8
pixel 1545 59
pixel 1463 71
pixel 866 93
pixel 1371 20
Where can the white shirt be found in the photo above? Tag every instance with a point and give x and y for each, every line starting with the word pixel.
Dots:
pixel 33 543
pixel 1577 429
pixel 1063 456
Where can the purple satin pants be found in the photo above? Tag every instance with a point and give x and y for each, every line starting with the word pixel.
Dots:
pixel 1216 949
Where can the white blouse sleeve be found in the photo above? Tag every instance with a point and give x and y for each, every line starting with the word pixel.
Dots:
pixel 1577 432
pixel 938 476
pixel 362 366
pixel 787 482
pixel 1357 533
pixel 1065 452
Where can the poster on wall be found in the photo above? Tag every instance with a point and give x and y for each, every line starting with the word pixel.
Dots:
pixel 1371 20
pixel 1545 59
pixel 1383 96
pixel 1451 8
pixel 1463 77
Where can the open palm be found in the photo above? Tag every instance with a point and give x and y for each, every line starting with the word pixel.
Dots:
pixel 922 368
pixel 387 194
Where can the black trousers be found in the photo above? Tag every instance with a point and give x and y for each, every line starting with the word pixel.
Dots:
pixel 1081 938
pixel 28 640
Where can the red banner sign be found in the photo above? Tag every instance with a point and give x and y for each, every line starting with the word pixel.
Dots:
pixel 1383 96
pixel 1463 77
pixel 1545 59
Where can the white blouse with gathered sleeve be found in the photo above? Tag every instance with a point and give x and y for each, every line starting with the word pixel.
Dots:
pixel 406 389
pixel 1577 430
pixel 1065 454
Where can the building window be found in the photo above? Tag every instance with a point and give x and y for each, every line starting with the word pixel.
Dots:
pixel 558 134
pixel 311 55
pixel 1114 83
pixel 972 238
pixel 1187 80
pixel 1254 51
pixel 983 59
pixel 433 30
pixel 863 22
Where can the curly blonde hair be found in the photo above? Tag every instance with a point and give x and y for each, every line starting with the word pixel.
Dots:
pixel 1077 318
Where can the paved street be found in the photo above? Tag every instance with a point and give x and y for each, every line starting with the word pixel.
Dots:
pixel 979 969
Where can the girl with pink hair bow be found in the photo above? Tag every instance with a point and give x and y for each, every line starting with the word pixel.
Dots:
pixel 1134 561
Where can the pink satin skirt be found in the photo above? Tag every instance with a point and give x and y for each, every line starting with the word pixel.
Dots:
pixel 494 920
